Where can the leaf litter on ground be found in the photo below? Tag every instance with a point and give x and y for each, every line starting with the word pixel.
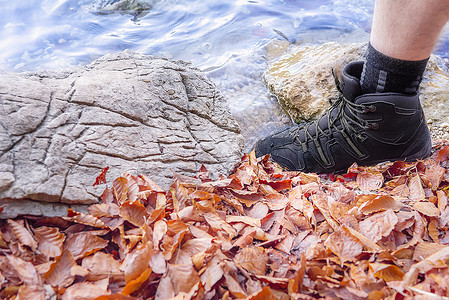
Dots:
pixel 261 233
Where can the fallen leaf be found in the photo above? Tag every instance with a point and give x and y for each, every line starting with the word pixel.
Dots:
pixel 344 245
pixel 252 259
pixel 102 177
pixel 83 244
pixel 136 262
pixel 427 208
pixel 84 291
pixel 49 240
pixel 102 265
pixel 375 203
pixel 369 181
pixel 23 235
pixel 85 219
pixel 135 284
pixel 378 225
pixel 386 272
pixel 59 273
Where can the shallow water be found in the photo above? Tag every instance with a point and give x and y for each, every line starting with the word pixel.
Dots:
pixel 227 40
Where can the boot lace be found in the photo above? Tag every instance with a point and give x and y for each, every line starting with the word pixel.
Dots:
pixel 345 121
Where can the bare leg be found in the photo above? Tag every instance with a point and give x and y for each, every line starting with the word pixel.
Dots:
pixel 408 29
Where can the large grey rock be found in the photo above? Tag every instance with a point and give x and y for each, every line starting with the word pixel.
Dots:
pixel 127 111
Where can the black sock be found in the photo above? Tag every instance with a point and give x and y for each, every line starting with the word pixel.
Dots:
pixel 382 74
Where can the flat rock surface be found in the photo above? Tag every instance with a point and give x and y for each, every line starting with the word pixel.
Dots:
pixel 302 81
pixel 127 111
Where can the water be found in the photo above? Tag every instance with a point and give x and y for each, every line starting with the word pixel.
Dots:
pixel 227 40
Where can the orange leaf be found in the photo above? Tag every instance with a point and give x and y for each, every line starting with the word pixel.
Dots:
pixel 50 240
pixel 217 224
pixel 264 294
pixel 370 181
pixel 84 219
pixel 378 225
pixel 134 212
pixel 59 273
pixel 136 262
pixel 120 188
pixel 34 292
pixel 435 174
pixel 175 232
pixel 104 210
pixel 102 177
pixel 344 245
pixel 182 277
pixel 22 234
pixel 386 272
pixel 416 189
pixel 84 290
pixel 83 244
pixel 253 260
pixel 135 284
pixel 376 203
pixel 24 270
pixel 427 208
pixel 102 265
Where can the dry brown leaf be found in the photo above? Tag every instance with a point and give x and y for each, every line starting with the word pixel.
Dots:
pixel 136 262
pixel 134 212
pixel 104 210
pixel 84 291
pixel 344 245
pixel 135 284
pixel 34 292
pixel 22 234
pixel 386 272
pixel 212 274
pixel 253 259
pixel 427 208
pixel 85 219
pixel 416 189
pixel 264 294
pixel 182 277
pixel 369 181
pixel 425 249
pixel 378 225
pixel 102 265
pixel 217 224
pixel 243 219
pixel 435 174
pixel 49 240
pixel 175 233
pixel 436 260
pixel 24 270
pixel 83 244
pixel 120 189
pixel 59 274
pixel 375 203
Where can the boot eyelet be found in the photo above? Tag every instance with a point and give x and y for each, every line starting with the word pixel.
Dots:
pixel 373 126
pixel 370 108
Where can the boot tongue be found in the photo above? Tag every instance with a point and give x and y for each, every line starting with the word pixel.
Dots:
pixel 350 80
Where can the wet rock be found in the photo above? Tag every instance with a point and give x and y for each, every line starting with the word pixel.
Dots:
pixel 127 111
pixel 303 82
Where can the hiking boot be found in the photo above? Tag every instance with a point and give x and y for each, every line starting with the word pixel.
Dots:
pixel 366 129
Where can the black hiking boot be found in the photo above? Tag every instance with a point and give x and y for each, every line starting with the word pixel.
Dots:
pixel 366 129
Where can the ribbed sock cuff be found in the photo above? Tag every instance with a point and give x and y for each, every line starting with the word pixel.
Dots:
pixel 382 73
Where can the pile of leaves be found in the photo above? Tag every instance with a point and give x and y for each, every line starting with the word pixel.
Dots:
pixel 261 233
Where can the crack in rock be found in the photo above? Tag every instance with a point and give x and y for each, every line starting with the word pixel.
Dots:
pixel 125 110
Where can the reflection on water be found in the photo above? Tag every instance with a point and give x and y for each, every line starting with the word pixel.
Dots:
pixel 227 40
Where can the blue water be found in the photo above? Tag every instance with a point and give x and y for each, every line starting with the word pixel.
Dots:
pixel 227 40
